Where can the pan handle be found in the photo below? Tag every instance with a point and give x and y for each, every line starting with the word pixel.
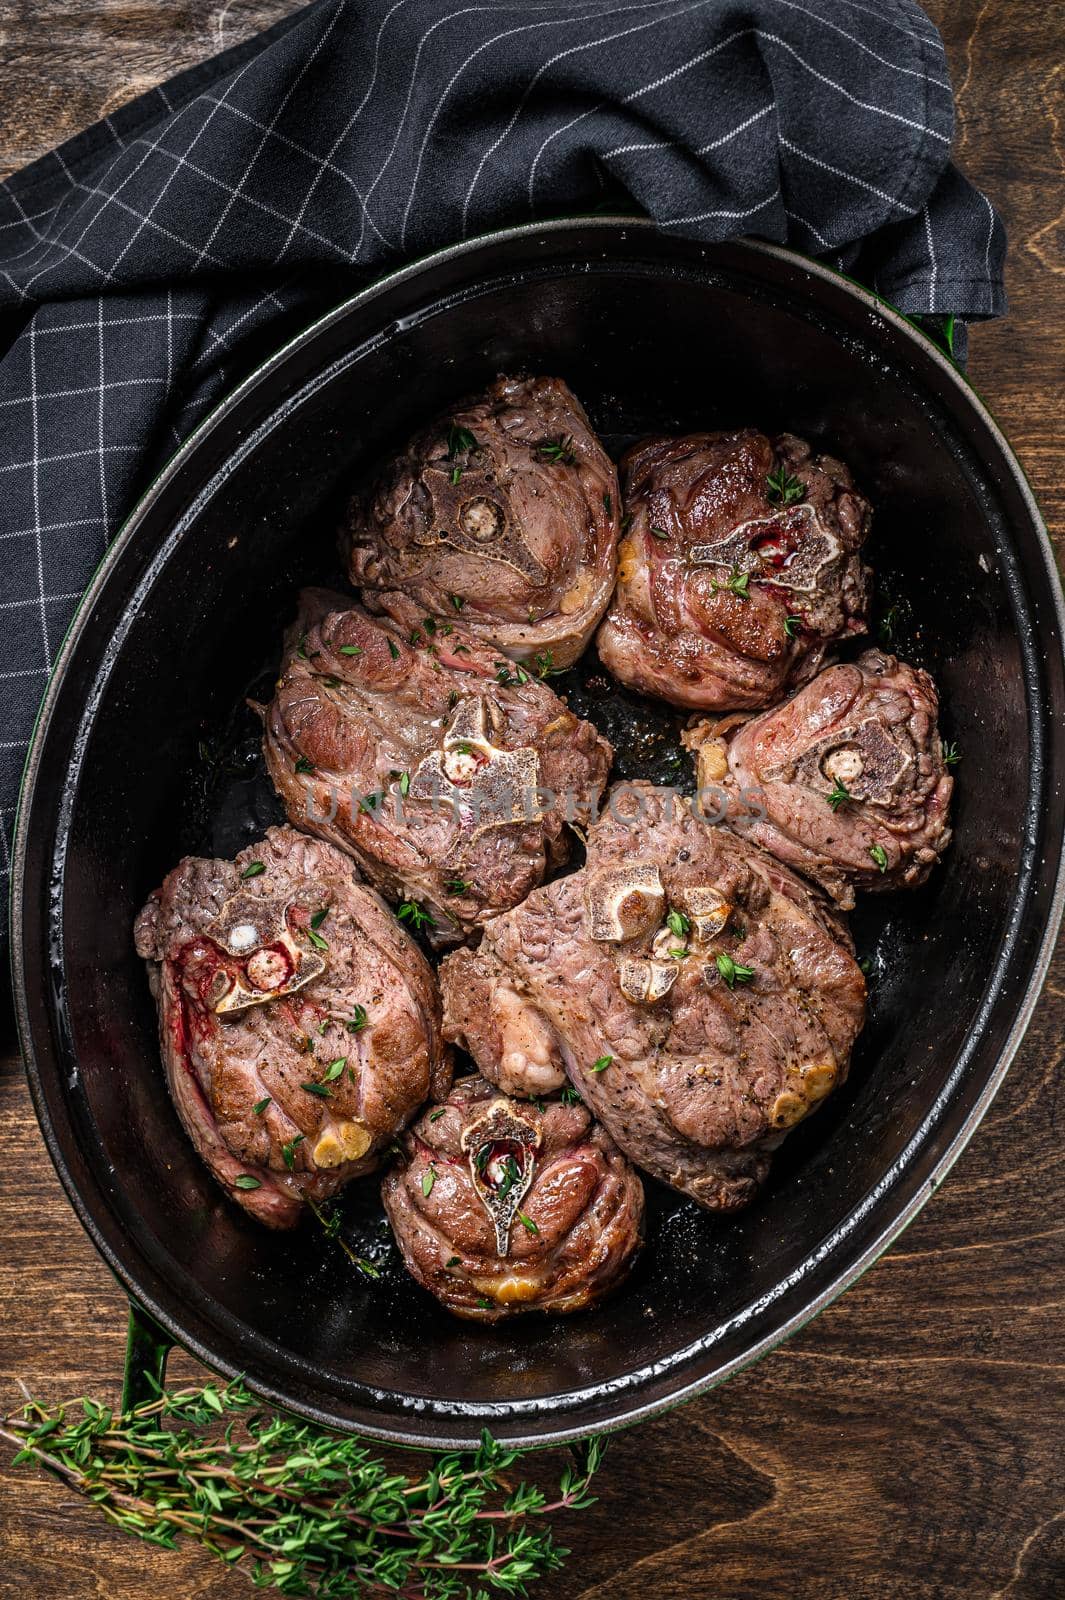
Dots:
pixel 147 1348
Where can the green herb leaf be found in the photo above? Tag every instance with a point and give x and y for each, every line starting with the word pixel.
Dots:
pixel 455 886
pixel 410 911
pixel 659 533
pixel 393 649
pixel 357 1020
pixel 434 1116
pixel 288 1151
pixel 260 1105
pixel 879 855
pixel 351 650
pixel 316 939
pixel 839 796
pixel 608 505
pixel 951 754
pixel 457 601
pixel 303 765
pixel 527 1223
pixel 781 489
pixel 246 1181
pixel 678 923
pixel 253 869
pixel 322 1090
pixel 731 971
pixel 559 450
pixel 736 583
pixel 453 1261
pixel 569 1096
pixel 792 626
pixel 602 1064
pixel 544 663
pixel 319 917
pixel 459 441
pixel 334 1069
pixel 428 1179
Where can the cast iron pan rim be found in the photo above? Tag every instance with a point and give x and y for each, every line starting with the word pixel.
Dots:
pixel 573 1399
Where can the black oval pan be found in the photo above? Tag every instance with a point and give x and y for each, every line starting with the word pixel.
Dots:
pixel 653 333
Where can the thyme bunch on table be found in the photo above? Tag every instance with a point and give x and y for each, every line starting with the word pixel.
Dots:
pixel 299 1509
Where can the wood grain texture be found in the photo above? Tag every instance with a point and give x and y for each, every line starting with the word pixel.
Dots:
pixel 907 1445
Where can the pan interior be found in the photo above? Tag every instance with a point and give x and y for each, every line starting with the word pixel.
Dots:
pixel 164 761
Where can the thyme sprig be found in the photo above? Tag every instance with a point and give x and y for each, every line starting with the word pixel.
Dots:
pixel 299 1509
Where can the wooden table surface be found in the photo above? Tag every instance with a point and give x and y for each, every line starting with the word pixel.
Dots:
pixel 909 1443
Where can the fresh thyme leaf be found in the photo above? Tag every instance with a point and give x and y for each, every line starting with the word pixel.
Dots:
pixel 351 650
pixel 570 1097
pixel 951 754
pixel 288 1151
pixel 484 1304
pixel 559 450
pixel 455 885
pixel 731 971
pixel 429 624
pixel 428 1179
pixel 678 923
pixel 866 965
pixel 393 649
pixel 334 1069
pixel 608 505
pixel 781 489
pixel 457 601
pixel 527 1223
pixel 319 917
pixel 839 796
pixel 736 583
pixel 316 939
pixel 434 1116
pixel 404 784
pixel 357 1020
pixel 260 1105
pixel 301 648
pixel 453 1261
pixel 459 441
pixel 456 475
pixel 303 765
pixel 602 1064
pixel 410 911
pixel 322 1090
pixel 246 1181
pixel 253 869
pixel 511 1174
pixel 879 855
pixel 792 626
pixel 659 533
pixel 545 665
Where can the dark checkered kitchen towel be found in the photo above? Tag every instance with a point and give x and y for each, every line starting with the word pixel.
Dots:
pixel 147 264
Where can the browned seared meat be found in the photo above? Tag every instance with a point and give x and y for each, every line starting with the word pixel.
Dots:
pixel 427 755
pixel 299 1024
pixel 700 997
pixel 740 567
pixel 850 774
pixel 500 1207
pixel 506 509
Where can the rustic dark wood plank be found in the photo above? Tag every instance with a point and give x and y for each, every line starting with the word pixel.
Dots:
pixel 907 1444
